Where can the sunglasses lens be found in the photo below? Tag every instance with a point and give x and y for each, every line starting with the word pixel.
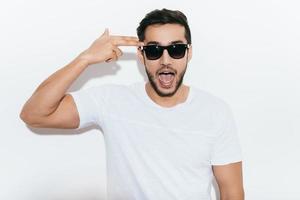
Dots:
pixel 177 51
pixel 153 52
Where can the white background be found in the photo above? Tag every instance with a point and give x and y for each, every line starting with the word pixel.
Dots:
pixel 246 52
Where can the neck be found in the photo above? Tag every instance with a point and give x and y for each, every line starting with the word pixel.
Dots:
pixel 179 97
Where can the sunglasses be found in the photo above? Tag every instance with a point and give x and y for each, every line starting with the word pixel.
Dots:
pixel 154 51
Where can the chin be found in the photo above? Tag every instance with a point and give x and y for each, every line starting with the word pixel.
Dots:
pixel 166 91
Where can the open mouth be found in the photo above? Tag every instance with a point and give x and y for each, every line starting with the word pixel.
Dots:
pixel 166 79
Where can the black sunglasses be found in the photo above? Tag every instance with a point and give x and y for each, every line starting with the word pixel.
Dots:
pixel 155 51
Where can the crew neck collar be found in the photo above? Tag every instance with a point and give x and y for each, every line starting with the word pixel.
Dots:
pixel 149 101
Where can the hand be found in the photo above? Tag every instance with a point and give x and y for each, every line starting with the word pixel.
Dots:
pixel 105 48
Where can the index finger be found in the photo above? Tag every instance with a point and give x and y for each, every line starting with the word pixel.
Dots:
pixel 126 41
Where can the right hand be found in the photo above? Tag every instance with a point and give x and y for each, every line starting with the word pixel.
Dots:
pixel 105 48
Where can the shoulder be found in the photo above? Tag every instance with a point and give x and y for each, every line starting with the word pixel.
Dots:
pixel 209 98
pixel 214 104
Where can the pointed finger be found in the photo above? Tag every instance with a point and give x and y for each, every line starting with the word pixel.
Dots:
pixel 126 41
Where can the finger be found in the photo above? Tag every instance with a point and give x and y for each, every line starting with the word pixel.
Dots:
pixel 118 52
pixel 128 43
pixel 124 37
pixel 125 41
pixel 105 33
pixel 113 56
pixel 108 60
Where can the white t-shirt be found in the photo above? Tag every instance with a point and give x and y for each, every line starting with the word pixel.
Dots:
pixel 159 153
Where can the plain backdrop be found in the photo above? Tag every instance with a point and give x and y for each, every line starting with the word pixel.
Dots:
pixel 245 52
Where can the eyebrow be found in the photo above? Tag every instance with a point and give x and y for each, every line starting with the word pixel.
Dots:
pixel 157 43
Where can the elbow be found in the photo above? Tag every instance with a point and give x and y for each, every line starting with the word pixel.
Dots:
pixel 27 118
pixel 23 116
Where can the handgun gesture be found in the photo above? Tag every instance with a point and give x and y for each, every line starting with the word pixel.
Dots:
pixel 106 48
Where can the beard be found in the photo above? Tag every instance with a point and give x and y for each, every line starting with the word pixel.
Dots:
pixel 154 85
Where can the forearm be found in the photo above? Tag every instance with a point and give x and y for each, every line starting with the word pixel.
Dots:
pixel 49 93
pixel 234 195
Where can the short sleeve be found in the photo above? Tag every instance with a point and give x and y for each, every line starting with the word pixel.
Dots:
pixel 88 106
pixel 227 147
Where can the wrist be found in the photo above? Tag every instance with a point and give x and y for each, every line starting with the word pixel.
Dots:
pixel 81 61
pixel 84 58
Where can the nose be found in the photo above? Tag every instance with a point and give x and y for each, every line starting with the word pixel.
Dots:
pixel 165 58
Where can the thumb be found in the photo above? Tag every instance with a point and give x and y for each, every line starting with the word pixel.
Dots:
pixel 106 32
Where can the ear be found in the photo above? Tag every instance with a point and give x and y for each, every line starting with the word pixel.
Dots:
pixel 140 55
pixel 190 54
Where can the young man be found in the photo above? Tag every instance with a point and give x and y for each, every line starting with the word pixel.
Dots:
pixel 164 140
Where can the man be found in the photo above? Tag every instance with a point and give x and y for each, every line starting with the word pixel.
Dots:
pixel 164 140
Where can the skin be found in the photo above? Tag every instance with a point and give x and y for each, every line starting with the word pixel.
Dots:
pixel 228 177
pixel 230 181
pixel 50 106
pixel 165 35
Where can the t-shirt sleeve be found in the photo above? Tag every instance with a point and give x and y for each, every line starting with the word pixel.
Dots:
pixel 227 147
pixel 89 106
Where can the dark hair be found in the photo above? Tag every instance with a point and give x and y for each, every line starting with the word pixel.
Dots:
pixel 164 16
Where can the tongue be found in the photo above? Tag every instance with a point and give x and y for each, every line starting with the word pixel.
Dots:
pixel 166 79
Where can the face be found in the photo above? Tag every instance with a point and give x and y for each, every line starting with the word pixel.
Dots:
pixel 165 74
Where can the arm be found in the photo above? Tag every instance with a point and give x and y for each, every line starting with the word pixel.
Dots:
pixel 49 106
pixel 230 181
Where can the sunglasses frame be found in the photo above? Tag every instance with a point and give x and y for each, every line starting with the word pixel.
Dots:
pixel 168 47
